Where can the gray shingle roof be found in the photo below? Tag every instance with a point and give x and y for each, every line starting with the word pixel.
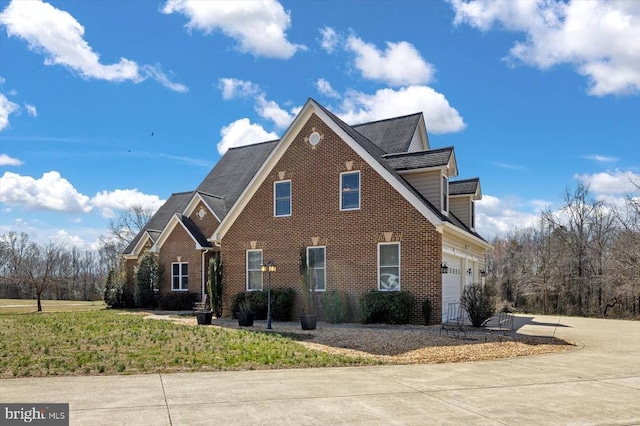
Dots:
pixel 215 203
pixel 231 175
pixel 419 159
pixel 392 134
pixel 175 203
pixel 464 187
pixel 195 231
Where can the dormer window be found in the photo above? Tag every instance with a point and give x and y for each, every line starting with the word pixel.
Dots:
pixel 445 194
pixel 473 214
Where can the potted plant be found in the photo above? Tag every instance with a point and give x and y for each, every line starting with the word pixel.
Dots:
pixel 244 314
pixel 309 318
pixel 204 314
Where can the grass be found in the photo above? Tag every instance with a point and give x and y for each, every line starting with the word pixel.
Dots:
pixel 13 306
pixel 99 341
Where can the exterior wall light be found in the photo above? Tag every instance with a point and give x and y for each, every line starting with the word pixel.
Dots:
pixel 268 267
pixel 444 267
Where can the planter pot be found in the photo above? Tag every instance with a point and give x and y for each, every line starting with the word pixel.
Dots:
pixel 204 317
pixel 308 321
pixel 245 319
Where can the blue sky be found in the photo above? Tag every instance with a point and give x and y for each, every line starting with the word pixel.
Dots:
pixel 105 104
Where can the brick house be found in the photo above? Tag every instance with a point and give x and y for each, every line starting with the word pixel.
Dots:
pixel 373 204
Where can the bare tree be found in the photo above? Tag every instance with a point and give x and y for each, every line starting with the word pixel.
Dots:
pixel 42 267
pixel 131 221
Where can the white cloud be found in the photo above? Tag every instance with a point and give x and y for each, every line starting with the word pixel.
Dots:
pixel 5 160
pixel 601 158
pixel 50 192
pixel 498 217
pixel 439 116
pixel 616 183
pixel 31 110
pixel 121 199
pixel 259 27
pixel 59 36
pixel 233 88
pixel 399 65
pixel 6 108
pixel 324 87
pixel 242 132
pixel 598 37
pixel 329 39
pixel 272 111
pixel 63 238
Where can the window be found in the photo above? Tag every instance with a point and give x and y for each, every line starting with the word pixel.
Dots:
pixel 282 198
pixel 350 191
pixel 317 263
pixel 445 194
pixel 254 270
pixel 389 266
pixel 179 276
pixel 473 214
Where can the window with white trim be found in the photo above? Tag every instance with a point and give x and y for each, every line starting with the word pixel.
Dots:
pixel 473 214
pixel 282 198
pixel 350 190
pixel 445 194
pixel 389 266
pixel 254 270
pixel 317 264
pixel 179 276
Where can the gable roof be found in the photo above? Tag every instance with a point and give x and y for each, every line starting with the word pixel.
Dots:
pixel 175 203
pixel 392 134
pixel 231 174
pixel 465 187
pixel 189 226
pixel 419 159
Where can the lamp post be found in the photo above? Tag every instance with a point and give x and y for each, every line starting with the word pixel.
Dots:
pixel 268 267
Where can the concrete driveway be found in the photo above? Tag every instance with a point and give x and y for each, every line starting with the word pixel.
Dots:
pixel 597 383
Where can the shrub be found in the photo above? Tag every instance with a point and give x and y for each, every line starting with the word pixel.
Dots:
pixel 177 301
pixel 479 302
pixel 392 307
pixel 426 311
pixel 114 290
pixel 148 277
pixel 214 285
pixel 335 305
pixel 282 300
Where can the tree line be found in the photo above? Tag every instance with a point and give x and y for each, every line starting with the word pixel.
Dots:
pixel 583 259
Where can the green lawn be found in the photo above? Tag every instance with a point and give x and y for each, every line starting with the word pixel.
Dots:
pixel 8 306
pixel 118 342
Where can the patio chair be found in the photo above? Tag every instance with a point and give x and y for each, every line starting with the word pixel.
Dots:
pixel 453 319
pixel 200 306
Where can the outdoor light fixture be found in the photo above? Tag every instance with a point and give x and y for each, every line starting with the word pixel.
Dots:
pixel 483 272
pixel 469 271
pixel 444 267
pixel 268 267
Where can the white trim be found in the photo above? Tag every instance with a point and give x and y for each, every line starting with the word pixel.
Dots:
pixel 246 270
pixel 290 198
pixel 324 251
pixel 166 232
pixel 180 276
pixel 351 172
pixel 140 244
pixel 396 243
pixel 444 198
pixel 195 200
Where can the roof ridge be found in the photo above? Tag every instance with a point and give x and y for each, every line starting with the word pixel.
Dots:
pixel 387 119
pixel 425 151
pixel 219 197
pixel 253 144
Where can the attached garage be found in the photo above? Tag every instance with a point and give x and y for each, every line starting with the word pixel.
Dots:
pixel 451 281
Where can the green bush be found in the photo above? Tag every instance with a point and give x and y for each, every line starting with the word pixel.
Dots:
pixel 148 277
pixel 386 307
pixel 335 306
pixel 282 300
pixel 114 290
pixel 182 301
pixel 426 311
pixel 479 302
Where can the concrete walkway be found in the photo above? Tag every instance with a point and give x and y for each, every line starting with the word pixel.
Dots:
pixel 597 383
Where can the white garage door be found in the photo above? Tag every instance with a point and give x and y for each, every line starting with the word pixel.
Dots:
pixel 451 281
